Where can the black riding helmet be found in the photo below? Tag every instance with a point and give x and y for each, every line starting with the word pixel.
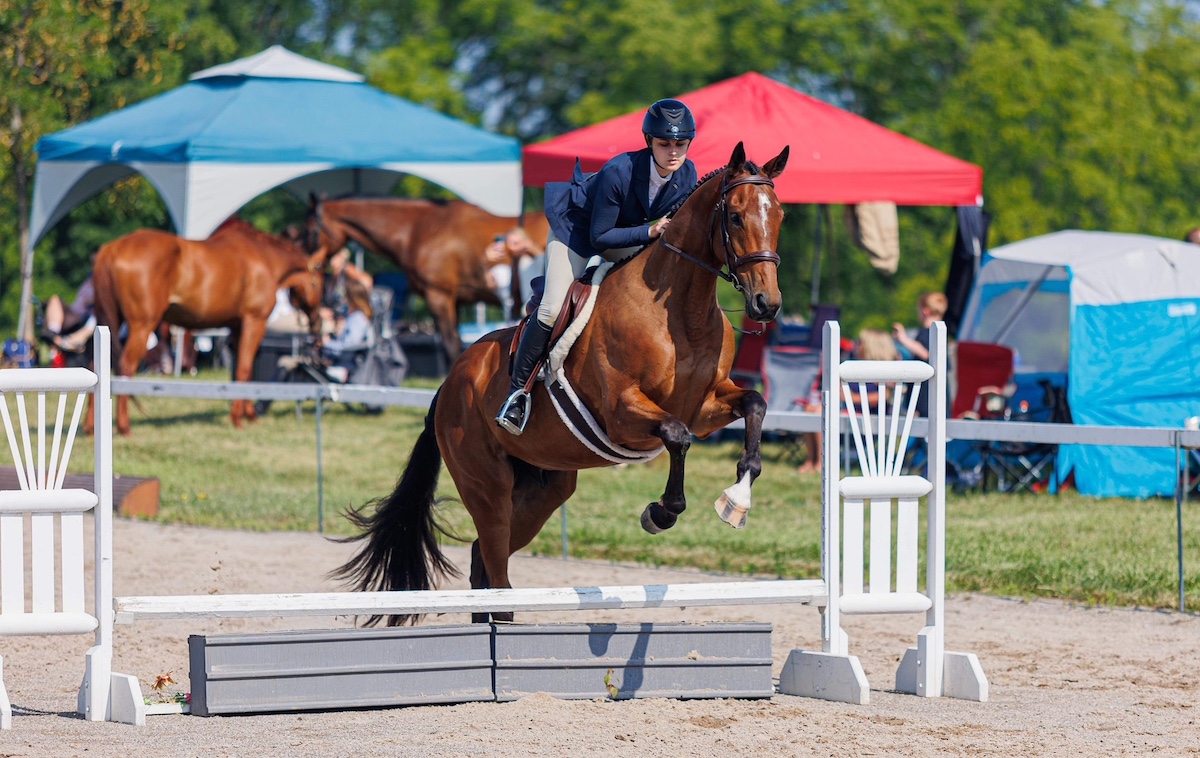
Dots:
pixel 669 119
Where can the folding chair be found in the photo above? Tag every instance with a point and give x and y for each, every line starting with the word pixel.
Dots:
pixel 789 373
pixel 1026 466
pixel 985 387
pixel 985 380
pixel 747 362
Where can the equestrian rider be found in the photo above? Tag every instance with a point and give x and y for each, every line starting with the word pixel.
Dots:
pixel 613 214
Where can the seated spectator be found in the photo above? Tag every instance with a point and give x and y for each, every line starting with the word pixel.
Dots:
pixel 340 272
pixel 70 328
pixel 873 345
pixel 353 336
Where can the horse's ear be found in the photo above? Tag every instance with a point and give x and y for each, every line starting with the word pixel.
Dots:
pixel 738 158
pixel 776 165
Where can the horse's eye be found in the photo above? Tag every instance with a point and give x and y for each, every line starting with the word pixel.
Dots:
pixel 735 218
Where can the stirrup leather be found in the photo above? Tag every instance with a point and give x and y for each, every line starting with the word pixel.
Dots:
pixel 516 406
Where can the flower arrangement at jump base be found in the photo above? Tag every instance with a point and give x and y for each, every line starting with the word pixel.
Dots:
pixel 167 702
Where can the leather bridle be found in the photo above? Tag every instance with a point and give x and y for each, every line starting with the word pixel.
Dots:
pixel 732 261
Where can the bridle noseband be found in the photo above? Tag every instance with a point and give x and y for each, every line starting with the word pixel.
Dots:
pixel 732 261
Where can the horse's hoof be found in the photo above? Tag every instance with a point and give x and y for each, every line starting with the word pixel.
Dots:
pixel 731 513
pixel 733 506
pixel 648 522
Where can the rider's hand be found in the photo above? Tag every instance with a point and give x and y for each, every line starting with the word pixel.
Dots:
pixel 658 227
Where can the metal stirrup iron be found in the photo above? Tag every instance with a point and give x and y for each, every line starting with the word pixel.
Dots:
pixel 514 415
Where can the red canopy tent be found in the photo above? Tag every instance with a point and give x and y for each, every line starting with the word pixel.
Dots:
pixel 836 156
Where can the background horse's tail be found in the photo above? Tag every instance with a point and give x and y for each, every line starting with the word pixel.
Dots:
pixel 108 310
pixel 400 549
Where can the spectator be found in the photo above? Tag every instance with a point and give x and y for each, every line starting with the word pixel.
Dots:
pixel 930 308
pixel 339 274
pixel 1193 236
pixel 70 328
pixel 353 334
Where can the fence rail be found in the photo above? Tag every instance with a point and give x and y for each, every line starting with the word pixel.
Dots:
pixel 998 431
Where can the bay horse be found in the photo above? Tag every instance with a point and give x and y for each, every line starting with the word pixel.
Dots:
pixel 652 365
pixel 229 280
pixel 440 246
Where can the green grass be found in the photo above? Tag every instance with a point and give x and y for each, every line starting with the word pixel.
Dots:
pixel 1111 552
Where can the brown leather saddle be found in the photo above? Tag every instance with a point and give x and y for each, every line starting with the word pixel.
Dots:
pixel 577 297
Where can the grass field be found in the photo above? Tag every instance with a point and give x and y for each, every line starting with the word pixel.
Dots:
pixel 1117 552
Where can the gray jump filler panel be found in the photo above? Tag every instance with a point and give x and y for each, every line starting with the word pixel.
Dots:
pixel 363 668
pixel 340 669
pixel 571 661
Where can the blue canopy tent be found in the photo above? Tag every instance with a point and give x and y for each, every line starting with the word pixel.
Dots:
pixel 274 119
pixel 1118 317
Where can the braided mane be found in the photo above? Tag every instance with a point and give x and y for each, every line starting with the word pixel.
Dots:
pixel 750 166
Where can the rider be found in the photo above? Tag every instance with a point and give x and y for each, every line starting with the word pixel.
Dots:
pixel 613 214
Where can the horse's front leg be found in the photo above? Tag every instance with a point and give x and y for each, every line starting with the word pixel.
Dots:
pixel 638 417
pixel 728 403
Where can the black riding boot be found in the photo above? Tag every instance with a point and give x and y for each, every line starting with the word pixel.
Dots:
pixel 515 413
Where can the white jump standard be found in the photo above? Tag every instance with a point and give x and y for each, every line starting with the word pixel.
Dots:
pixel 880 444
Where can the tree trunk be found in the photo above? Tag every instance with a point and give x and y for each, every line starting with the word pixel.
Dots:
pixel 21 174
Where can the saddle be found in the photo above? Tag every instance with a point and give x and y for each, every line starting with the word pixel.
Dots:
pixel 577 297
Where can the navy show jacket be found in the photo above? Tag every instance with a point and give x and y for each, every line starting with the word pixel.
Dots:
pixel 612 209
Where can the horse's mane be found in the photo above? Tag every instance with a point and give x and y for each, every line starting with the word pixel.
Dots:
pixel 750 166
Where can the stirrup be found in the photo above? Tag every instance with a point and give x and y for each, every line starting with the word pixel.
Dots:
pixel 514 426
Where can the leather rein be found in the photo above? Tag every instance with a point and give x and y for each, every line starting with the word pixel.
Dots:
pixel 732 261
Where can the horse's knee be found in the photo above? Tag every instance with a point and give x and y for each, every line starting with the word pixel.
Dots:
pixel 754 404
pixel 675 436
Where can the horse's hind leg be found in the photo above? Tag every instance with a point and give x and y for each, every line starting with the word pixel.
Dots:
pixel 535 496
pixel 131 358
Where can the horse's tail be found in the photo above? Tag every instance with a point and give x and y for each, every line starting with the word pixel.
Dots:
pixel 400 548
pixel 108 310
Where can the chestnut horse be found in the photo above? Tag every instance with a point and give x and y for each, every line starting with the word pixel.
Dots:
pixel 228 280
pixel 440 246
pixel 652 365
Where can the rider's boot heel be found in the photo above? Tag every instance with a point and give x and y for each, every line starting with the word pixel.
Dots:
pixel 514 414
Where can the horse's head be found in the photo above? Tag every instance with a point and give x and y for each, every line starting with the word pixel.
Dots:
pixel 746 231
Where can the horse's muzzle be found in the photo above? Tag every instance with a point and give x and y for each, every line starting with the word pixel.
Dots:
pixel 760 308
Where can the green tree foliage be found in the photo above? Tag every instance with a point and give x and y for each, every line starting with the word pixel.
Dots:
pixel 1079 111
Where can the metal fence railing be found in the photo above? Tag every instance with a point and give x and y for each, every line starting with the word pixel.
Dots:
pixel 957 429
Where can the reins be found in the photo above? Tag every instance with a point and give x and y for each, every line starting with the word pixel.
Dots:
pixel 732 261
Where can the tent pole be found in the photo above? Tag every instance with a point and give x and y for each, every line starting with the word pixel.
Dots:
pixel 1181 486
pixel 815 297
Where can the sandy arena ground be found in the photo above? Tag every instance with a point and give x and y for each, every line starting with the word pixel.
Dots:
pixel 1064 680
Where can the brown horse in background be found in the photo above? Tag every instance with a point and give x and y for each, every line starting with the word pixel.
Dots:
pixel 652 365
pixel 441 247
pixel 228 280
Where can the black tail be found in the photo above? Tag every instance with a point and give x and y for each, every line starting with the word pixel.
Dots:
pixel 400 550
